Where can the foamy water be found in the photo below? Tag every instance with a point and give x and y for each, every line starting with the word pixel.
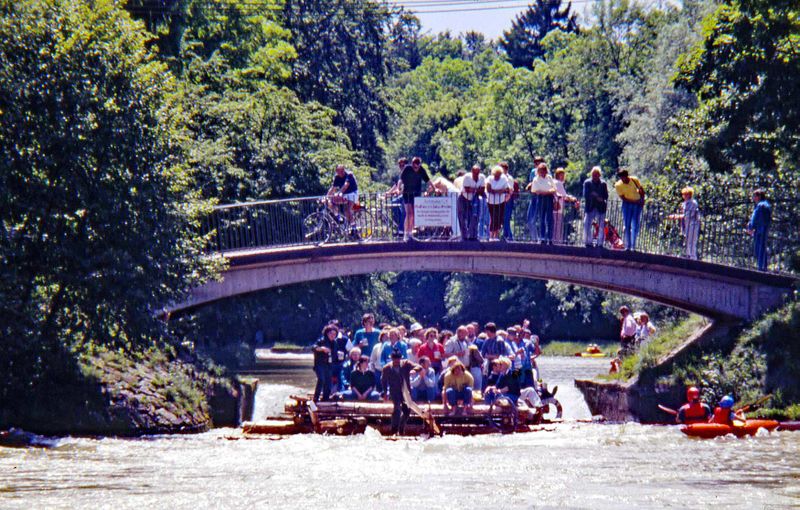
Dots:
pixel 573 465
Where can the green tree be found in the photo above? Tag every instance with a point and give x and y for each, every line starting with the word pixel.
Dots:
pixel 342 63
pixel 744 73
pixel 98 208
pixel 403 42
pixel 522 42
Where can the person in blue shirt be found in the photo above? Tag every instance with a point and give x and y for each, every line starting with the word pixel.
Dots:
pixel 758 227
pixel 393 344
pixel 366 337
pixel 423 382
pixel 349 366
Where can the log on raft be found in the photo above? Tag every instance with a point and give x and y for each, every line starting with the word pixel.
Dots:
pixel 384 410
pixel 341 427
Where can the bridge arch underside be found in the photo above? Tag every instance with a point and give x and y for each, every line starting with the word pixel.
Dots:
pixel 707 289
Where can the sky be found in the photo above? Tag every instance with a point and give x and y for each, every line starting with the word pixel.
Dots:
pixel 491 17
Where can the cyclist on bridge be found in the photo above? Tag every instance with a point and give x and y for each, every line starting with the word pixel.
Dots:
pixel 343 191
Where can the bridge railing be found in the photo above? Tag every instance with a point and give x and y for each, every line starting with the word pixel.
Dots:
pixel 314 220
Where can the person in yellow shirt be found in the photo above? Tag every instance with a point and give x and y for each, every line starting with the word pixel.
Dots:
pixel 631 192
pixel 457 387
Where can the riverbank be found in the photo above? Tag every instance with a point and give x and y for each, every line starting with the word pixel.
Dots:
pixel 111 393
pixel 746 361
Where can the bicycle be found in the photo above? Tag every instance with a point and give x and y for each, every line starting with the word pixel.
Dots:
pixel 323 225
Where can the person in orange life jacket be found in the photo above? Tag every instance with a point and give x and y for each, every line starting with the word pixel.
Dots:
pixel 694 410
pixel 724 412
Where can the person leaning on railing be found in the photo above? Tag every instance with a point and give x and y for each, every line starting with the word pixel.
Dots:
pixel 396 192
pixel 562 198
pixel 496 192
pixel 631 192
pixel 513 194
pixel 412 177
pixel 543 189
pixel 595 200
pixel 473 185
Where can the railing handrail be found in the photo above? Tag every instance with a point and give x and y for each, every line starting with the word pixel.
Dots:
pixel 308 221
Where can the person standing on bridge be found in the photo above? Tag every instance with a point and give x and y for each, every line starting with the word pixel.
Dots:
pixel 497 191
pixel 413 176
pixel 472 187
pixel 758 226
pixel 631 192
pixel 543 189
pixel 562 198
pixel 396 192
pixel 513 195
pixel 595 201
pixel 689 217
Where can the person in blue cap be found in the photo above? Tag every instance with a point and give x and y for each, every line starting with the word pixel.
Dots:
pixel 724 412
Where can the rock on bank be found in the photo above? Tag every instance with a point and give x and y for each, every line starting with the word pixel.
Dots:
pixel 111 393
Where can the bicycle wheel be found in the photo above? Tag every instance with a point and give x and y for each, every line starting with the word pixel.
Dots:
pixel 362 226
pixel 316 228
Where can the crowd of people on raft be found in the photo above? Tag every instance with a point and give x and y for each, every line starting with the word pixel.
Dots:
pixel 485 205
pixel 387 361
pixel 697 411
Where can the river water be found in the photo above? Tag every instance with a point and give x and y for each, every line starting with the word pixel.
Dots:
pixel 574 465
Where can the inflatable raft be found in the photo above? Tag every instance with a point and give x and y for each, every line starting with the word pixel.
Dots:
pixel 711 430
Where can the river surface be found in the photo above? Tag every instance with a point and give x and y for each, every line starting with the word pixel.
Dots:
pixel 574 465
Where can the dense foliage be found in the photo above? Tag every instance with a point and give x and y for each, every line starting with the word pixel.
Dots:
pixel 119 127
pixel 98 210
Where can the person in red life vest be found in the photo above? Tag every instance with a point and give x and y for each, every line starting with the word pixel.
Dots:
pixel 724 412
pixel 693 411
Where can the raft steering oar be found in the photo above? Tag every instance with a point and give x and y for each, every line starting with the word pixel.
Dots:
pixel 426 416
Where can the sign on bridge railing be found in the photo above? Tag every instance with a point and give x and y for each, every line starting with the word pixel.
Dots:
pixel 435 211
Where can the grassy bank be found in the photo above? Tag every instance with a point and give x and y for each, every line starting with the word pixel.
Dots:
pixel 112 392
pixel 764 359
pixel 665 341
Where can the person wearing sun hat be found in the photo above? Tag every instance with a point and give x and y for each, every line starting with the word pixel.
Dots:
pixel 394 376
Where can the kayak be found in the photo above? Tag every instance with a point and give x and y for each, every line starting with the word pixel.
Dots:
pixel 590 354
pixel 711 430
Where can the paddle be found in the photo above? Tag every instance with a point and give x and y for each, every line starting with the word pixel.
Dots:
pixel 426 416
pixel 755 404
pixel 668 410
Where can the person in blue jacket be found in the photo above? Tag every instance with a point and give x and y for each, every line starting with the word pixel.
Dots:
pixel 758 227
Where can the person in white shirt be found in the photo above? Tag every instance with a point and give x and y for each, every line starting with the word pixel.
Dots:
pixel 627 332
pixel 513 194
pixel 543 188
pixel 472 187
pixel 496 193
pixel 644 330
pixel 562 198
